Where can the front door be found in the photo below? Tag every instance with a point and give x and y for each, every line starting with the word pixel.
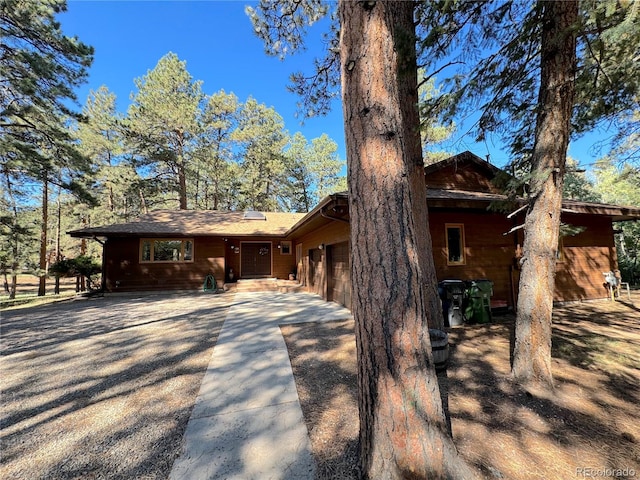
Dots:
pixel 255 260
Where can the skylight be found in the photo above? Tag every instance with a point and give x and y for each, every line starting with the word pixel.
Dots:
pixel 253 215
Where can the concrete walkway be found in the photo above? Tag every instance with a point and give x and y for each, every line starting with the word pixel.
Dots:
pixel 247 422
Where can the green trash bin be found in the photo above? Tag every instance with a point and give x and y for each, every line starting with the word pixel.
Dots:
pixel 479 294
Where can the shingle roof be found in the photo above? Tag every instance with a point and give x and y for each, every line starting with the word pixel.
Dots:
pixel 465 156
pixel 466 199
pixel 196 223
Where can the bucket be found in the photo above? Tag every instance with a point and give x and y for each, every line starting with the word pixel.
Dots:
pixel 439 348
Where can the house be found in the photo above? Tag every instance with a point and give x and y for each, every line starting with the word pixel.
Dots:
pixel 177 249
pixel 473 229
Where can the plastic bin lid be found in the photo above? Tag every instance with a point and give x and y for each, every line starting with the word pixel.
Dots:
pixel 485 287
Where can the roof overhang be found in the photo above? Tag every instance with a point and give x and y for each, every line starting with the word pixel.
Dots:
pixel 437 198
pixel 334 207
pixel 196 223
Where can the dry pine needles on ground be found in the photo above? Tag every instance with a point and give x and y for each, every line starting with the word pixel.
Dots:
pixel 588 426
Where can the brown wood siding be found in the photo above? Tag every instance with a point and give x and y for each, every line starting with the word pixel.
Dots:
pixel 489 254
pixel 125 272
pixel 339 275
pixel 283 264
pixel 585 256
pixel 315 279
pixel 316 272
pixel 461 176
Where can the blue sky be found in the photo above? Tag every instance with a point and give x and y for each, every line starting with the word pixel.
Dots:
pixel 216 40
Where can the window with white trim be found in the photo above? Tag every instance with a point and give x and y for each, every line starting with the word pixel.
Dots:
pixel 285 248
pixel 455 243
pixel 166 250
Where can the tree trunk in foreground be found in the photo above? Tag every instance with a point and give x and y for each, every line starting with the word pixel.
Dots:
pixel 403 433
pixel 532 349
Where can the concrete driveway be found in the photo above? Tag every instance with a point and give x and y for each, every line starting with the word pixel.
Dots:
pixel 247 423
pixel 182 386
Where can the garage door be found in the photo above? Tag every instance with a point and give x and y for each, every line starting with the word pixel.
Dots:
pixel 339 279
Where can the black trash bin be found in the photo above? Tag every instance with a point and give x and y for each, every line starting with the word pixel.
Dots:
pixel 478 308
pixel 452 296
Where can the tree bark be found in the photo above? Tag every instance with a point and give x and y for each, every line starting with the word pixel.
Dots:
pixel 56 288
pixel 42 284
pixel 143 201
pixel 403 433
pixel 182 185
pixel 14 236
pixel 181 170
pixel 532 348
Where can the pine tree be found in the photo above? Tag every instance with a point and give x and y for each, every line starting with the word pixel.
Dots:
pixel 313 171
pixel 102 142
pixel 40 69
pixel 576 184
pixel 214 174
pixel 162 122
pixel 261 138
pixel 403 432
pixel 299 193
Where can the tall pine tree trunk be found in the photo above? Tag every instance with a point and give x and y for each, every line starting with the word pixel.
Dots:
pixel 56 288
pixel 403 433
pixel 143 201
pixel 182 186
pixel 13 237
pixel 181 170
pixel 532 348
pixel 42 285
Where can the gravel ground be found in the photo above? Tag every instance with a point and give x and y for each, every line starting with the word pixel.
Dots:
pixel 103 387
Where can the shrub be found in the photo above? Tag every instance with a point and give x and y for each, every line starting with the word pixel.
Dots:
pixel 80 266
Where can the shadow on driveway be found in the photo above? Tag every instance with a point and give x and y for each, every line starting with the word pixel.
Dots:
pixel 103 387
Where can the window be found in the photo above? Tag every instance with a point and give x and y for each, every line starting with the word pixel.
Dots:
pixel 166 250
pixel 285 248
pixel 455 243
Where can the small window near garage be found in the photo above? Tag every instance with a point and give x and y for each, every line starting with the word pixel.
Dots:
pixel 455 243
pixel 285 248
pixel 166 250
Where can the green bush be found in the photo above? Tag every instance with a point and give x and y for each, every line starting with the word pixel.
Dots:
pixel 80 266
pixel 629 270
